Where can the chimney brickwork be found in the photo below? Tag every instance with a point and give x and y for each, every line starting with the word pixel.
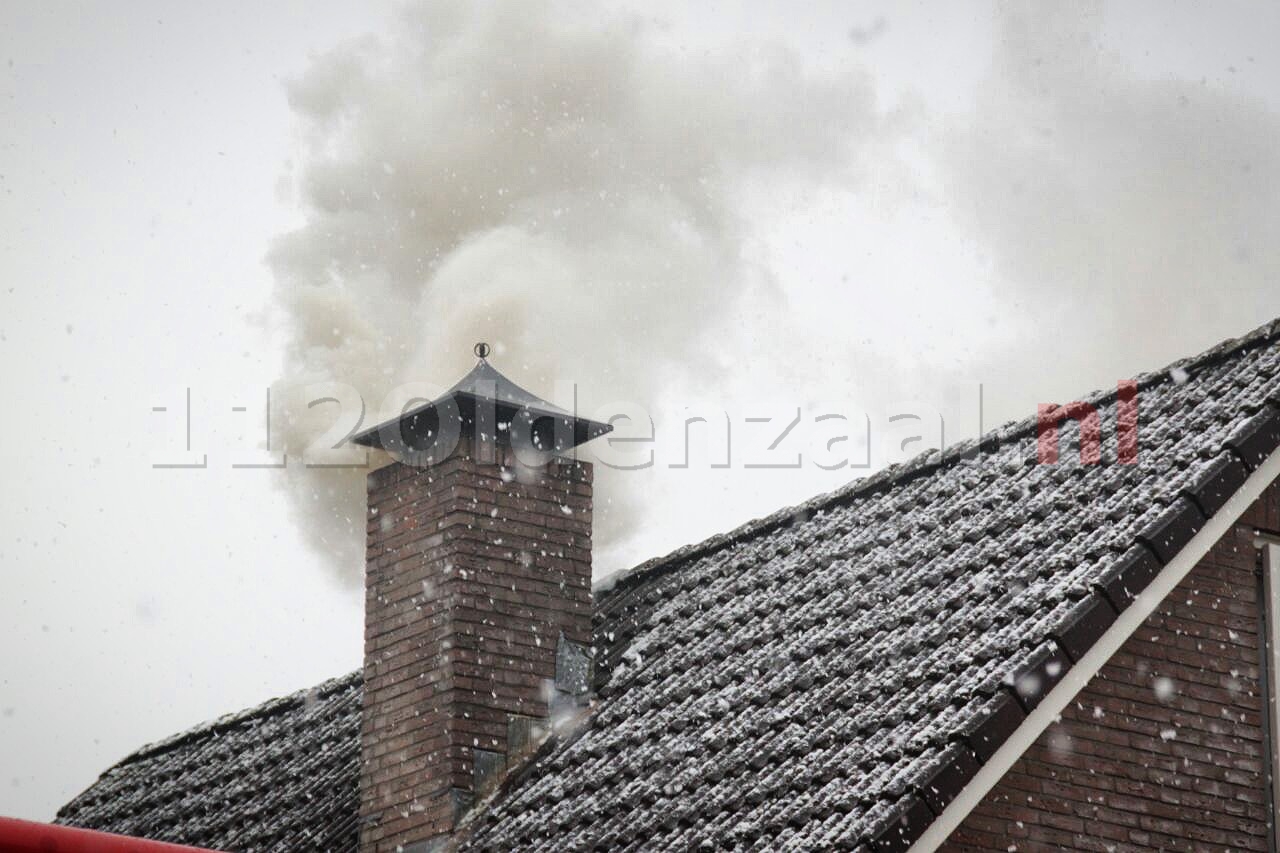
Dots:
pixel 478 582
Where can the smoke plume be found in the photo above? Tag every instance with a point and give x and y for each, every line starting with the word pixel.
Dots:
pixel 1129 213
pixel 570 185
pixel 554 181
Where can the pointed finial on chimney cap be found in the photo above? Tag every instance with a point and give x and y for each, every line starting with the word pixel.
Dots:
pixel 484 393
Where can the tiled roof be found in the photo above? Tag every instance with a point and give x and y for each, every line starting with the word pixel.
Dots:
pixel 832 675
pixel 828 676
pixel 281 776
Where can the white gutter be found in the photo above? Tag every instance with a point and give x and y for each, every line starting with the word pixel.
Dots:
pixel 1087 667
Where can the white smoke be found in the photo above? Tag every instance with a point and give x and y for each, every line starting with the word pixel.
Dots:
pixel 568 185
pixel 1129 212
pixel 550 180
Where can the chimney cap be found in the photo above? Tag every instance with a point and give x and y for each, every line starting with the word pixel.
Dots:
pixel 482 394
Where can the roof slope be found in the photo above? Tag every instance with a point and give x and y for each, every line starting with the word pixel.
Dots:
pixel 832 675
pixel 281 776
pixel 826 676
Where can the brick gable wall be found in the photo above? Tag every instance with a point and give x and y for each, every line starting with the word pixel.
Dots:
pixel 1164 748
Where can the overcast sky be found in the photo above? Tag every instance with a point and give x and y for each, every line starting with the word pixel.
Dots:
pixel 731 213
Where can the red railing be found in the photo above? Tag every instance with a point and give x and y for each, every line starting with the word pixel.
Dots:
pixel 24 836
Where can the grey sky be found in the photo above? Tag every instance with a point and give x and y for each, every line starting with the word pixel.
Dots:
pixel 1041 205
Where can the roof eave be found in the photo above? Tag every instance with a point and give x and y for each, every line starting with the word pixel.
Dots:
pixel 1077 676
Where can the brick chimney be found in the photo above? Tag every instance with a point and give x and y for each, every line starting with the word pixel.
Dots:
pixel 478 601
